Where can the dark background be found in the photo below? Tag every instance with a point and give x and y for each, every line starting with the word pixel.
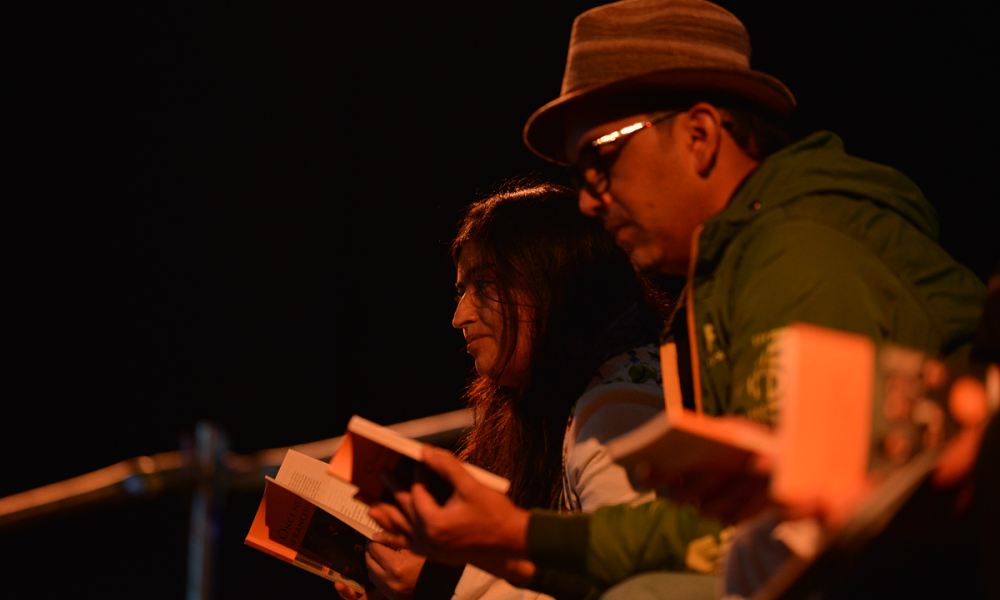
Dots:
pixel 241 214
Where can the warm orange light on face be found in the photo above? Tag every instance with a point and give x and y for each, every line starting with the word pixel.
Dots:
pixel 480 317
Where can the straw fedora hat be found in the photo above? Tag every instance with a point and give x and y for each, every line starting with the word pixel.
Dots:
pixel 685 46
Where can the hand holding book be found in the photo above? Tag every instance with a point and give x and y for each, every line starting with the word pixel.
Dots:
pixel 852 415
pixel 475 525
pixel 723 463
pixel 394 570
pixel 315 515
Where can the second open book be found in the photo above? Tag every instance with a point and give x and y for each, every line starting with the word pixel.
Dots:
pixel 851 414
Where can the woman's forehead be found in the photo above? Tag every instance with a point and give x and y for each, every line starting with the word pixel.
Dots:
pixel 470 261
pixel 465 273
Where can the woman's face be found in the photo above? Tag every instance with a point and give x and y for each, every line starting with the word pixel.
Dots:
pixel 480 317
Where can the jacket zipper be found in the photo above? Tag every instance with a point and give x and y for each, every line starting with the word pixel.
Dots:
pixel 692 332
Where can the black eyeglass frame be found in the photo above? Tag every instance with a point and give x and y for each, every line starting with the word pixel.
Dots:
pixel 590 155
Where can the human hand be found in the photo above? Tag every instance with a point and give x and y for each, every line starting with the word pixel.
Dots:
pixel 966 401
pixel 398 532
pixel 347 593
pixel 476 524
pixel 730 494
pixel 393 571
pixel 726 485
pixel 968 404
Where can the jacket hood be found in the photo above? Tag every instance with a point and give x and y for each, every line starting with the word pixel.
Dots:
pixel 818 166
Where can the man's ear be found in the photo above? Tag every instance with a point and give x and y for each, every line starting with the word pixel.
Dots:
pixel 704 131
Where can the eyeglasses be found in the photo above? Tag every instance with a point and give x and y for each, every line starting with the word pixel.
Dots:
pixel 591 171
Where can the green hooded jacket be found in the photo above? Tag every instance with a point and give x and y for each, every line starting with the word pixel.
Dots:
pixel 812 235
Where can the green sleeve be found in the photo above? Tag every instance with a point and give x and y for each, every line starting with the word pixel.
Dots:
pixel 616 542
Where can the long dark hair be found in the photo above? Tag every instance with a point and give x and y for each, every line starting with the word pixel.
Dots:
pixel 588 305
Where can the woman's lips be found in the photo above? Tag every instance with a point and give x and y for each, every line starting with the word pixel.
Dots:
pixel 471 340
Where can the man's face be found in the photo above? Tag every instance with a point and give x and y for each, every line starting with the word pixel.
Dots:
pixel 655 199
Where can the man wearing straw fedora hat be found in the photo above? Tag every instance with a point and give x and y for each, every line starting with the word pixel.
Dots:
pixel 670 135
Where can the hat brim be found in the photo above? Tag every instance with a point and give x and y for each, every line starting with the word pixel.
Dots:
pixel 545 134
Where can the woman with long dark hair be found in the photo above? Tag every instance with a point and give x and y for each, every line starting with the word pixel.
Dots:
pixel 563 336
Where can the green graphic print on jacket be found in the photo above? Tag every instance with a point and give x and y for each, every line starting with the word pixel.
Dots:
pixel 818 236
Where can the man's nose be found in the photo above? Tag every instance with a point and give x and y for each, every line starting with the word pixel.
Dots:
pixel 589 204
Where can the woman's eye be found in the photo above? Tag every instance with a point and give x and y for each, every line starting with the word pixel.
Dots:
pixel 486 289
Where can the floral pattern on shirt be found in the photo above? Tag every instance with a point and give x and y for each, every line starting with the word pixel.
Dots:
pixel 639 366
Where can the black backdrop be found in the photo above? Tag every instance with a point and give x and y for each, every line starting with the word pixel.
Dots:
pixel 241 214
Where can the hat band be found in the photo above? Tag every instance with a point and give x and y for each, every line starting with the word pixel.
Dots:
pixel 604 61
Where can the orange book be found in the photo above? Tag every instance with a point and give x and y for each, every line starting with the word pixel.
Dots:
pixel 916 406
pixel 825 381
pixel 292 528
pixel 315 515
pixel 853 415
pixel 850 415
pixel 313 521
pixel 371 452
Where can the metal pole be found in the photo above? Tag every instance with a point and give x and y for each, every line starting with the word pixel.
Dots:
pixel 210 448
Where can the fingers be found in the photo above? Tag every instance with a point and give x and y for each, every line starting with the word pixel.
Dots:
pixel 381 554
pixel 346 592
pixel 398 532
pixel 515 570
pixel 394 572
pixel 474 516
pixel 404 501
pixel 385 543
pixel 392 540
pixel 448 467
pixel 957 458
pixel 376 572
pixel 401 496
pixel 391 519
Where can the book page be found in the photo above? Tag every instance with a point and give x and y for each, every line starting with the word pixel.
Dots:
pixel 288 526
pixel 308 478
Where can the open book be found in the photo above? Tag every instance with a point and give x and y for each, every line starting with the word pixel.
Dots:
pixel 659 452
pixel 315 515
pixel 850 415
pixel 312 520
pixel 919 405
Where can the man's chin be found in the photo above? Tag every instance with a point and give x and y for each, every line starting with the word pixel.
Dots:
pixel 644 262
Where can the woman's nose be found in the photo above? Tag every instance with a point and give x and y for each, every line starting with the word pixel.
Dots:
pixel 464 313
